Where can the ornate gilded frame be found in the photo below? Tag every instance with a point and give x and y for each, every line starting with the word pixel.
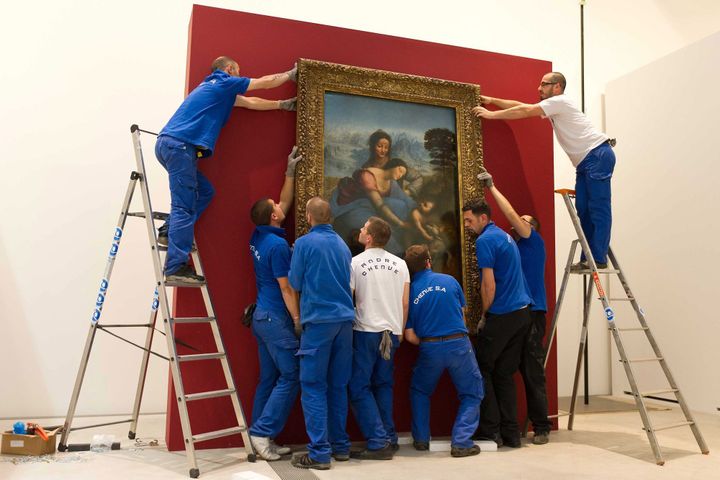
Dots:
pixel 315 78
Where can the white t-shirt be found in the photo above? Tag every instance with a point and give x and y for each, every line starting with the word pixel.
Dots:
pixel 576 135
pixel 378 278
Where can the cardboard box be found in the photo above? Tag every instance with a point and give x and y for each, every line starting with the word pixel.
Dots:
pixel 15 444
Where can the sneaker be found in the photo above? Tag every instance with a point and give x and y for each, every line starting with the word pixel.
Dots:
pixel 262 448
pixel 304 461
pixel 464 451
pixel 279 449
pixel 185 275
pixel 541 438
pixel 385 453
pixel 421 446
pixel 341 457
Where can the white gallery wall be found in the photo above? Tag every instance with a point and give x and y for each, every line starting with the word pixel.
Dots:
pixel 665 117
pixel 76 74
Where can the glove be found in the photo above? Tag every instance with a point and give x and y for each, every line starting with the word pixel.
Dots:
pixel 290 104
pixel 292 73
pixel 485 179
pixel 480 325
pixel 293 159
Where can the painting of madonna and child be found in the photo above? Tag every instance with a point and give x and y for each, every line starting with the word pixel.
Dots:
pixel 398 161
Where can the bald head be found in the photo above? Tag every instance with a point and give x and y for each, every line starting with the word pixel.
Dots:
pixel 318 211
pixel 222 63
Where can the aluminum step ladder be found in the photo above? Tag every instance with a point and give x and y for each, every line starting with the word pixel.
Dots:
pixel 594 273
pixel 160 300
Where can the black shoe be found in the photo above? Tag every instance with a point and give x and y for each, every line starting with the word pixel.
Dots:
pixel 341 457
pixel 464 451
pixel 395 447
pixel 304 461
pixel 185 275
pixel 512 442
pixel 421 446
pixel 163 235
pixel 385 453
pixel 541 438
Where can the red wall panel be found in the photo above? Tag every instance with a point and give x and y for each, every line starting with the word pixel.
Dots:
pixel 249 163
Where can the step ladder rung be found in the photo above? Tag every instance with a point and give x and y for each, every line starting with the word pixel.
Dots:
pixel 203 437
pixel 630 329
pixel 190 397
pixel 185 285
pixel 558 415
pixel 200 356
pixel 603 271
pixel 155 215
pixel 669 426
pixel 656 392
pixel 193 319
pixel 620 299
pixel 646 359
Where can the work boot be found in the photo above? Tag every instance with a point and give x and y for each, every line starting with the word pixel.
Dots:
pixel 385 453
pixel 464 451
pixel 262 448
pixel 512 442
pixel 279 449
pixel 584 265
pixel 185 275
pixel 162 239
pixel 541 438
pixel 341 457
pixel 421 446
pixel 304 461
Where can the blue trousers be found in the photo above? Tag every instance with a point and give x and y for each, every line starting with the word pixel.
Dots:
pixel 278 385
pixel 458 358
pixel 592 199
pixel 325 366
pixel 371 389
pixel 190 194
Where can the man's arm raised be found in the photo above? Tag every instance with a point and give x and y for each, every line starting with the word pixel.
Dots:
pixel 287 194
pixel 521 226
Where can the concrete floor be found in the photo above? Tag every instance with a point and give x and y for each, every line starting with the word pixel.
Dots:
pixel 602 446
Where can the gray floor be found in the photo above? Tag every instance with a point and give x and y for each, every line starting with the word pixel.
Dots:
pixel 602 445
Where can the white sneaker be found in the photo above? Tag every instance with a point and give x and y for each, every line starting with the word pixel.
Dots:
pixel 279 449
pixel 262 448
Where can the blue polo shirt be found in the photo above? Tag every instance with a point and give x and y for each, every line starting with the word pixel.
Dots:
pixel 206 110
pixel 497 250
pixel 436 302
pixel 320 271
pixel 271 258
pixel 532 258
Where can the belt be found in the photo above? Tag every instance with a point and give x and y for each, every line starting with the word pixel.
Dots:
pixel 442 339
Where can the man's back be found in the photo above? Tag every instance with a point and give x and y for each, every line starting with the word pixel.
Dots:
pixel 532 258
pixel 436 302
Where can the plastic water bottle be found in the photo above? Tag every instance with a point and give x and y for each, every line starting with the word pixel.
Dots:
pixel 19 428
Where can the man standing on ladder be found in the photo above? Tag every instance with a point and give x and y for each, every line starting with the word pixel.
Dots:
pixel 276 320
pixel 189 136
pixel 526 230
pixel 590 151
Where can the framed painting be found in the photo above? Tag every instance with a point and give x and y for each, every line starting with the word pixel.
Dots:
pixel 401 147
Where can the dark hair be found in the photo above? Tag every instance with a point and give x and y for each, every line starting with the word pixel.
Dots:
pixel 380 231
pixel 375 137
pixel 221 62
pixel 395 162
pixel 261 211
pixel 477 207
pixel 416 257
pixel 319 210
pixel 535 223
pixel 558 78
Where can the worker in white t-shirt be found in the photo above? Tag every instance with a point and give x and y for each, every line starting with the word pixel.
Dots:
pixel 589 150
pixel 381 285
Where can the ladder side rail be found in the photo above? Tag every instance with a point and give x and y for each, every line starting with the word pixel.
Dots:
pixel 656 349
pixel 225 362
pixel 100 300
pixel 581 350
pixel 144 366
pixel 165 309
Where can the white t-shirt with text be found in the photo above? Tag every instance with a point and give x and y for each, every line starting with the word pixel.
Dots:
pixel 378 278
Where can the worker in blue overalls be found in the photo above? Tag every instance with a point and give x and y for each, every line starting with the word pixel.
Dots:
pixel 526 231
pixel 320 271
pixel 275 321
pixel 189 136
pixel 436 323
